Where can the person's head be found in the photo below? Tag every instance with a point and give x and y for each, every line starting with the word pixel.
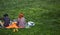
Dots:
pixel 21 15
pixel 5 15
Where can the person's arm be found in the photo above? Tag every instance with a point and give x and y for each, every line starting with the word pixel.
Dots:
pixel 17 22
pixel 24 21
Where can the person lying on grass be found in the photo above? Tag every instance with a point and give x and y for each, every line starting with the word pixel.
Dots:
pixel 21 21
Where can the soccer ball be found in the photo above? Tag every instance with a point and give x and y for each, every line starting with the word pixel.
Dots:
pixel 30 23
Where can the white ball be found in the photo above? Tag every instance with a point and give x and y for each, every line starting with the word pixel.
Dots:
pixel 30 23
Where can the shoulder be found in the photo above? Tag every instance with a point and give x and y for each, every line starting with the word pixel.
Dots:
pixel 23 18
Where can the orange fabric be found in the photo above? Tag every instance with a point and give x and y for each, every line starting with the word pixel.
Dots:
pixel 13 25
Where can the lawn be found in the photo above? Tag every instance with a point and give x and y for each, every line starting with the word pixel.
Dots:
pixel 45 14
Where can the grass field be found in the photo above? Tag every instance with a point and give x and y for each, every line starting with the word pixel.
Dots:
pixel 45 14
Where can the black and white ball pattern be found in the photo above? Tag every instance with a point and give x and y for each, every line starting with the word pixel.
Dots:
pixel 30 23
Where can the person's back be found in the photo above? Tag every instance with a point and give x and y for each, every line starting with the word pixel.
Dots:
pixel 6 20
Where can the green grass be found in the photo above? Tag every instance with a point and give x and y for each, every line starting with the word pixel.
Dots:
pixel 45 14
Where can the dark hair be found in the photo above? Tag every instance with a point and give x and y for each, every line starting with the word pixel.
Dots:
pixel 5 15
